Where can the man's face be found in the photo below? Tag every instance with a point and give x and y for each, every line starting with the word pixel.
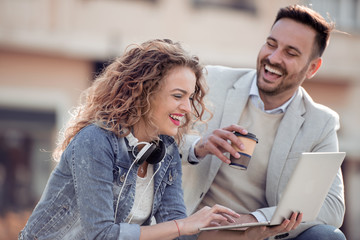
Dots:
pixel 284 61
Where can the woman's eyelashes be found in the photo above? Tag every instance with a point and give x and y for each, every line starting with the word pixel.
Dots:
pixel 181 96
pixel 178 96
pixel 191 98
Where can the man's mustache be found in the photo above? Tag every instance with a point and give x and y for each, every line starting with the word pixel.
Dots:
pixel 277 66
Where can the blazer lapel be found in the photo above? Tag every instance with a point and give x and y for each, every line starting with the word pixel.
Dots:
pixel 287 131
pixel 235 102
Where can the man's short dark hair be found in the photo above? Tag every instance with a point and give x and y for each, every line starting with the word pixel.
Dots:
pixel 310 18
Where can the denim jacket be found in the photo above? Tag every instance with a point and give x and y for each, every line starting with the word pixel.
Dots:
pixel 80 197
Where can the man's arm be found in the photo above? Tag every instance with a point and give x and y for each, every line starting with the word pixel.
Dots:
pixel 186 149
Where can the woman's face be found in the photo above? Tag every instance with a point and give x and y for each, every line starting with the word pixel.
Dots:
pixel 173 100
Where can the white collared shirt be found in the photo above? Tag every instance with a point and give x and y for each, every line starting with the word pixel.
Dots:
pixel 256 100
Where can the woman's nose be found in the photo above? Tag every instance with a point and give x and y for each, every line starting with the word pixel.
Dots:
pixel 186 106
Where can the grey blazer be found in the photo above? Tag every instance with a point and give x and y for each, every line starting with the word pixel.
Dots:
pixel 305 127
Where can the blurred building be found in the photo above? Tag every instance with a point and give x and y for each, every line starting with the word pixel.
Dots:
pixel 50 50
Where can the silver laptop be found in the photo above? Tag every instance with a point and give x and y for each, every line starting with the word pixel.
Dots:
pixel 306 190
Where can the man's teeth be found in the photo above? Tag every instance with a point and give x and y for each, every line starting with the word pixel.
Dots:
pixel 175 117
pixel 272 70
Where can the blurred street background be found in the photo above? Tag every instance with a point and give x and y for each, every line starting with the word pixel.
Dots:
pixel 50 50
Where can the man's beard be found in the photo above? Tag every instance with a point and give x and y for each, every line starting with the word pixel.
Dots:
pixel 285 83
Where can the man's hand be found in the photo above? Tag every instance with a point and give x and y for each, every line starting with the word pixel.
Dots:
pixel 253 233
pixel 264 232
pixel 217 143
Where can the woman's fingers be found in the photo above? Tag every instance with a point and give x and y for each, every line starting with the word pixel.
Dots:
pixel 229 218
pixel 218 214
pixel 221 209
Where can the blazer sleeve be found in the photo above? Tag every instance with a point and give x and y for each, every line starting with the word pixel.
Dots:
pixel 333 209
pixel 186 148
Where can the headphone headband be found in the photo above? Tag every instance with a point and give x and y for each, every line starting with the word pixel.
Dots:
pixel 132 140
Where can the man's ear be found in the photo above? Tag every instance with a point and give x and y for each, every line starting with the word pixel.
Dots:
pixel 314 67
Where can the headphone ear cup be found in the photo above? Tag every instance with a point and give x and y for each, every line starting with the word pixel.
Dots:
pixel 145 152
pixel 158 153
pixel 152 152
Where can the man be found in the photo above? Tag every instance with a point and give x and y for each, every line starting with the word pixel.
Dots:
pixel 270 103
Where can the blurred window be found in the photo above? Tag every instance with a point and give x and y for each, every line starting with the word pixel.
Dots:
pixel 151 1
pixel 25 151
pixel 99 67
pixel 345 13
pixel 244 5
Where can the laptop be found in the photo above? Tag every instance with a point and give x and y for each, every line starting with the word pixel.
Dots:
pixel 306 190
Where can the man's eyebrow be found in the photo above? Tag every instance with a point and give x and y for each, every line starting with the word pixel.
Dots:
pixel 295 49
pixel 271 38
pixel 288 46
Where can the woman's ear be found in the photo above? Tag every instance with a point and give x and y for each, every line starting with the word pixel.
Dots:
pixel 314 67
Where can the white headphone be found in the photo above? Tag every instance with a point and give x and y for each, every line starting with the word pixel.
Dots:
pixel 153 152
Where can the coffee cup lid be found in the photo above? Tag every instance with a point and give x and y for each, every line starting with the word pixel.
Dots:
pixel 249 135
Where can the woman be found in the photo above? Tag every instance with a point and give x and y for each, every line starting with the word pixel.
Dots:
pixel 97 190
pixel 119 164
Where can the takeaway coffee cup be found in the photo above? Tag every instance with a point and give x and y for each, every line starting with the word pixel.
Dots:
pixel 250 141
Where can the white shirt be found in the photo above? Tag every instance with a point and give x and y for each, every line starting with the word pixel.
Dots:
pixel 144 197
pixel 256 100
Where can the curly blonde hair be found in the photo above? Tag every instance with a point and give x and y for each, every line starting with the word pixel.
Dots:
pixel 120 97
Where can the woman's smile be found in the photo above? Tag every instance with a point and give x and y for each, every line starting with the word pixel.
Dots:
pixel 176 118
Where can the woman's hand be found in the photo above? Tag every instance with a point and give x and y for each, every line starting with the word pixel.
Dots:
pixel 206 217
